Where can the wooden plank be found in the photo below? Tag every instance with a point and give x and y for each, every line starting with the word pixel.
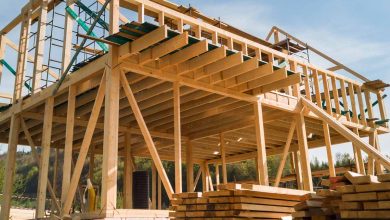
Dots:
pixel 190 167
pixel 10 166
pixel 298 169
pixel 39 47
pixel 361 106
pixel 304 151
pixel 223 157
pixel 384 177
pixel 141 13
pixel 145 132
pixel 327 93
pixel 370 196
pixel 84 147
pixel 177 133
pixel 328 145
pixel 345 100
pixel 353 103
pixel 128 174
pixel 68 149
pixel 154 187
pixel 44 160
pixel 375 187
pixel 285 153
pixel 348 133
pixel 351 205
pixel 67 43
pixel 335 92
pixel 262 170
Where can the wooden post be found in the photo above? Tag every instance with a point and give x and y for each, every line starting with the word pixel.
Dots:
pixel 141 13
pixel 371 161
pixel 66 167
pixel 180 25
pixel 91 163
pixel 45 155
pixel 10 167
pixel 55 174
pixel 262 170
pixel 2 52
pixel 209 180
pixel 40 47
pixel 67 44
pixel 177 130
pixel 159 193
pixel 217 179
pixel 382 108
pixel 205 184
pixel 22 55
pixel 161 18
pixel 190 167
pixel 128 174
pixel 358 156
pixel 111 119
pixel 154 185
pixel 298 169
pixel 223 157
pixel 332 171
pixel 304 152
pixel 285 154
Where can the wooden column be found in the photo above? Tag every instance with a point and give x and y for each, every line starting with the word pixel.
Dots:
pixel 91 163
pixel 45 155
pixel 23 52
pixel 298 169
pixel 177 130
pixel 304 152
pixel 205 183
pixel 358 156
pixel 328 144
pixel 371 161
pixel 217 179
pixel 2 52
pixel 10 166
pixel 67 44
pixel 159 193
pixel 154 186
pixel 141 13
pixel 223 157
pixel 111 119
pixel 262 170
pixel 128 174
pixel 190 167
pixel 40 47
pixel 55 175
pixel 66 167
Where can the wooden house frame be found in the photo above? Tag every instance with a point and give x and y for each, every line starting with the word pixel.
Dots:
pixel 191 91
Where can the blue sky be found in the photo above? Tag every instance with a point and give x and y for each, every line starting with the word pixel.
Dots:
pixel 354 32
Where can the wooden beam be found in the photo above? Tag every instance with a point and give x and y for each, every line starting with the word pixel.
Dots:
pixel 10 166
pixel 328 145
pixel 304 152
pixel 190 167
pixel 67 44
pixel 358 156
pixel 111 118
pixel 68 149
pixel 285 154
pixel 145 132
pixel 141 13
pixel 154 187
pixel 39 47
pixel 348 134
pixel 298 169
pixel 44 160
pixel 177 131
pixel 83 152
pixel 223 157
pixel 128 174
pixel 262 170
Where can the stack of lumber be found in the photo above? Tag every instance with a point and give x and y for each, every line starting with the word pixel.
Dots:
pixel 334 182
pixel 237 201
pixel 324 204
pixel 367 198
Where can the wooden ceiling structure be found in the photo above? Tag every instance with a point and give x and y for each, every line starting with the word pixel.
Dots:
pixel 190 90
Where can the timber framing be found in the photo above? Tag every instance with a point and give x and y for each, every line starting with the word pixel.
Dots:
pixel 182 90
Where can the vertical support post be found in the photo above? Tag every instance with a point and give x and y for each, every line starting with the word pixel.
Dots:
pixel 298 169
pixel 230 43
pixel 159 193
pixel 262 170
pixel 371 161
pixel 304 152
pixel 40 47
pixel 22 55
pixel 111 119
pixel 358 156
pixel 205 183
pixel 66 167
pixel 44 159
pixel 91 163
pixel 177 130
pixel 217 179
pixel 190 167
pixel 223 157
pixel 161 18
pixel 128 174
pixel 214 38
pixel 154 186
pixel 180 25
pixel 198 31
pixel 332 171
pixel 2 52
pixel 10 166
pixel 67 45
pixel 55 174
pixel 382 108
pixel 141 13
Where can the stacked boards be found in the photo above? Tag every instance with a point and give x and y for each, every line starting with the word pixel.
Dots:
pixel 367 198
pixel 237 201
pixel 324 204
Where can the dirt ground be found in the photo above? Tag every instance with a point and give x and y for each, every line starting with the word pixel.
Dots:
pixel 21 214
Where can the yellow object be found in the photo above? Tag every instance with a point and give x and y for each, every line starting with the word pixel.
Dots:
pixel 91 196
